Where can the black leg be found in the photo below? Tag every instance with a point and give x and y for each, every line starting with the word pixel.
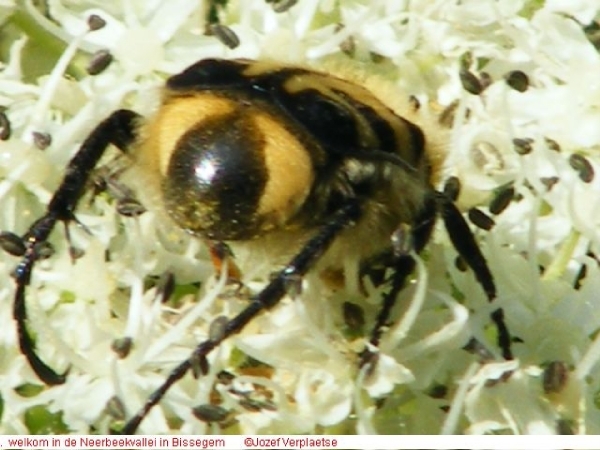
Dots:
pixel 267 298
pixel 403 265
pixel 117 129
pixel 464 242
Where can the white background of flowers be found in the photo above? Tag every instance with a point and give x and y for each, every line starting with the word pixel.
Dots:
pixel 419 46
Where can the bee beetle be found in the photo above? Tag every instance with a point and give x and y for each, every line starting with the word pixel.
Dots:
pixel 308 165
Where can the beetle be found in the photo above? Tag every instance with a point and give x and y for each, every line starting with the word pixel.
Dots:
pixel 312 166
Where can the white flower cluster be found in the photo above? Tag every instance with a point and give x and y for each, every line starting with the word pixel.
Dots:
pixel 294 369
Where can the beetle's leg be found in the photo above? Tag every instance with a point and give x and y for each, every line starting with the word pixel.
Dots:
pixel 464 242
pixel 265 299
pixel 117 129
pixel 404 241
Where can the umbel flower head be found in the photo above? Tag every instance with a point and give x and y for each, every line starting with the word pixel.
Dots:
pixel 515 83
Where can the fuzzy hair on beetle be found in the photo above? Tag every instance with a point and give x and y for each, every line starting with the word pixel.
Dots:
pixel 324 172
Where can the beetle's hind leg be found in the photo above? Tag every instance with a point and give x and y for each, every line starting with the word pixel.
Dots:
pixel 118 129
pixel 464 242
pixel 407 240
pixel 277 288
